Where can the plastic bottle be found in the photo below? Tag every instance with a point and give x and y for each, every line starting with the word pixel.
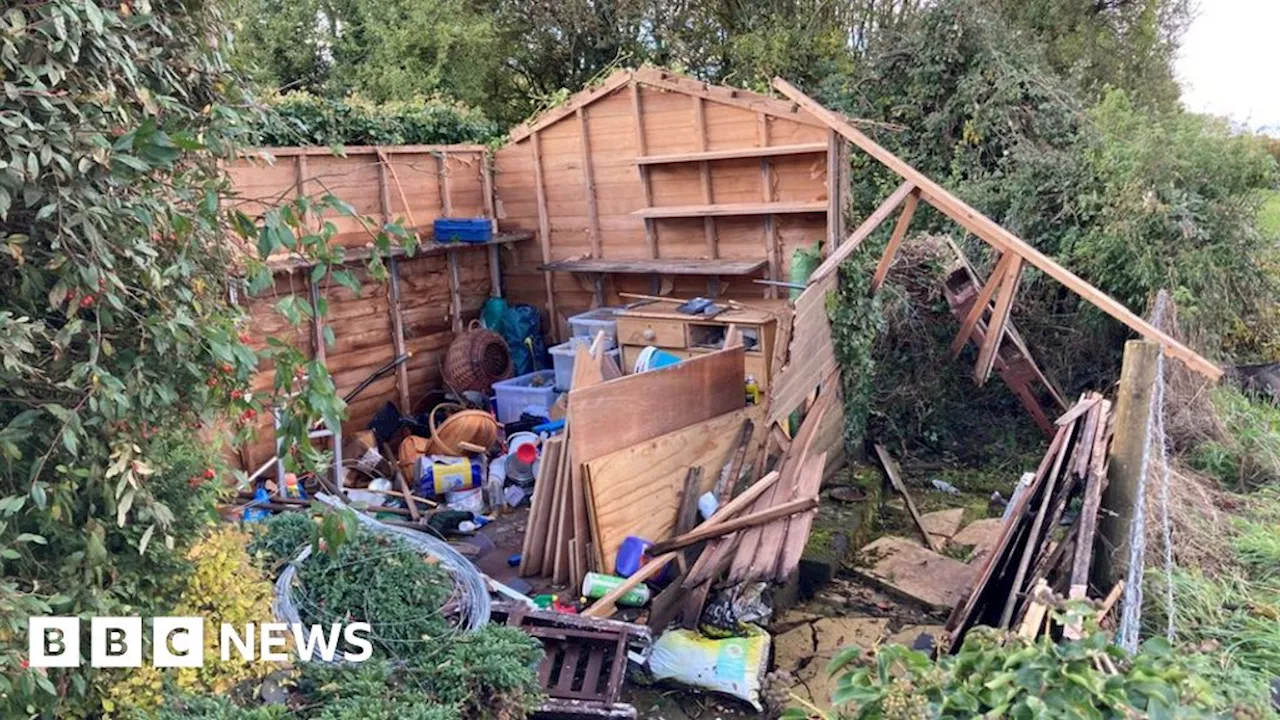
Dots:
pixel 631 555
pixel 753 390
pixel 597 585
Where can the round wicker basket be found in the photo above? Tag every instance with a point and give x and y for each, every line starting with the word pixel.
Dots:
pixel 476 427
pixel 476 360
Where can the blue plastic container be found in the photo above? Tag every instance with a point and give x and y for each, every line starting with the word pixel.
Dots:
pixel 467 230
pixel 631 555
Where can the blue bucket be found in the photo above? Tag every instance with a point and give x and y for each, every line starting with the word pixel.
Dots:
pixel 651 358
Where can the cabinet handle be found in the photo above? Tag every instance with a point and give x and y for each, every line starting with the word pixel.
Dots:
pixel 648 334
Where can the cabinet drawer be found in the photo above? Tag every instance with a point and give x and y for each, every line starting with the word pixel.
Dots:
pixel 651 331
pixel 757 367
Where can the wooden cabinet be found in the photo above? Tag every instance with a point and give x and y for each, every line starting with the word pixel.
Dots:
pixel 684 336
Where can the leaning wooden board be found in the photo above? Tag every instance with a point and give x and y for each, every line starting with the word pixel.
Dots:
pixel 622 413
pixel 636 490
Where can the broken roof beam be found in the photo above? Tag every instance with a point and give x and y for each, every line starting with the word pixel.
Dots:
pixel 895 240
pixel 868 226
pixel 990 231
pixel 999 318
pixel 980 306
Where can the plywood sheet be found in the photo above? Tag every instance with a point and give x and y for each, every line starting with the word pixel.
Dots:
pixel 632 409
pixel 636 490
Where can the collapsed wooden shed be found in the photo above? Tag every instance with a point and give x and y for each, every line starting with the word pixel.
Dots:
pixel 654 182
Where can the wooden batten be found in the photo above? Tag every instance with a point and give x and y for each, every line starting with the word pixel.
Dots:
pixel 772 250
pixel 589 186
pixel 980 305
pixel 397 334
pixel 835 206
pixel 490 211
pixel 544 231
pixel 895 240
pixel 999 318
pixel 704 173
pixel 637 119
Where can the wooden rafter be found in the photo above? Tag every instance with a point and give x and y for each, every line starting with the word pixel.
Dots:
pixel 589 185
pixel 980 305
pixel 991 232
pixel 863 231
pixel 995 328
pixel 772 249
pixel 895 240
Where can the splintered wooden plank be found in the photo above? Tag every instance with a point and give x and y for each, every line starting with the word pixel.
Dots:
pixel 798 527
pixel 811 357
pixel 621 413
pixel 636 490
pixel 908 570
pixel 895 479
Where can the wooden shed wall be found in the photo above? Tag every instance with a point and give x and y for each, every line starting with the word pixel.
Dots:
pixel 408 183
pixel 362 322
pixel 665 123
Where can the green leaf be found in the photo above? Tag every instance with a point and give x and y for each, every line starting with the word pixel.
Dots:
pixel 348 280
pixel 32 538
pixel 146 539
pixel 94 14
pixel 843 658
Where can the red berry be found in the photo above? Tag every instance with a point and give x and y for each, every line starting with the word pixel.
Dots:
pixel 236 394
pixel 212 382
pixel 244 338
pixel 226 367
pixel 86 301
pixel 208 474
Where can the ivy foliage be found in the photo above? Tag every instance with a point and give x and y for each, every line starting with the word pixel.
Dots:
pixel 995 675
pixel 300 118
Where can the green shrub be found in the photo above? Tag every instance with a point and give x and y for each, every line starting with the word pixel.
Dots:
pixel 995 675
pixel 303 119
pixel 204 707
pixel 279 538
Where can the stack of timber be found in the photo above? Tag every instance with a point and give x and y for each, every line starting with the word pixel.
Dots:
pixel 1032 560
pixel 558 541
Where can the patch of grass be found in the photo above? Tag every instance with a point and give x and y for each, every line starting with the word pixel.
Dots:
pixel 1269 215
pixel 1247 451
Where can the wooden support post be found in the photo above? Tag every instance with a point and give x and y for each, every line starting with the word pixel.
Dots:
pixel 384 188
pixel 446 184
pixel 317 321
pixel 1124 464
pixel 300 176
pixel 772 249
pixel 834 207
pixel 650 225
pixel 544 234
pixel 704 172
pixel 397 336
pixel 490 211
pixel 995 328
pixel 589 186
pixel 455 291
pixel 980 305
pixel 895 240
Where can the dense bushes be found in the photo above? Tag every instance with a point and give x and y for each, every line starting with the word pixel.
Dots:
pixel 300 118
pixel 995 675
pixel 119 347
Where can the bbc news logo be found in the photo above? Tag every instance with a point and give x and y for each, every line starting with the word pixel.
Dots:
pixel 178 642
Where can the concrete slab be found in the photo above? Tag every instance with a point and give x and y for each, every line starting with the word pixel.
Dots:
pixel 824 638
pixel 943 524
pixel 983 535
pixel 908 634
pixel 911 571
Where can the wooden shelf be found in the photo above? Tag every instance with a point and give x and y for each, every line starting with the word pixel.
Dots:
pixel 731 209
pixel 289 263
pixel 747 152
pixel 657 267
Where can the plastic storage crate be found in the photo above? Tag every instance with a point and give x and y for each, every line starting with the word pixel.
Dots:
pixel 563 355
pixel 587 324
pixel 467 230
pixel 534 392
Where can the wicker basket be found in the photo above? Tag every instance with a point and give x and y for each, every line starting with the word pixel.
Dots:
pixel 476 360
pixel 475 427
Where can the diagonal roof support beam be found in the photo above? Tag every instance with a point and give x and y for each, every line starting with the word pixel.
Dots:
pixel 995 235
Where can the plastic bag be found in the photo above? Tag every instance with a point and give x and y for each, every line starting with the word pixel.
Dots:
pixel 521 327
pixel 734 666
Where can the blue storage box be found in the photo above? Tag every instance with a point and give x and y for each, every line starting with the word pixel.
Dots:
pixel 467 230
